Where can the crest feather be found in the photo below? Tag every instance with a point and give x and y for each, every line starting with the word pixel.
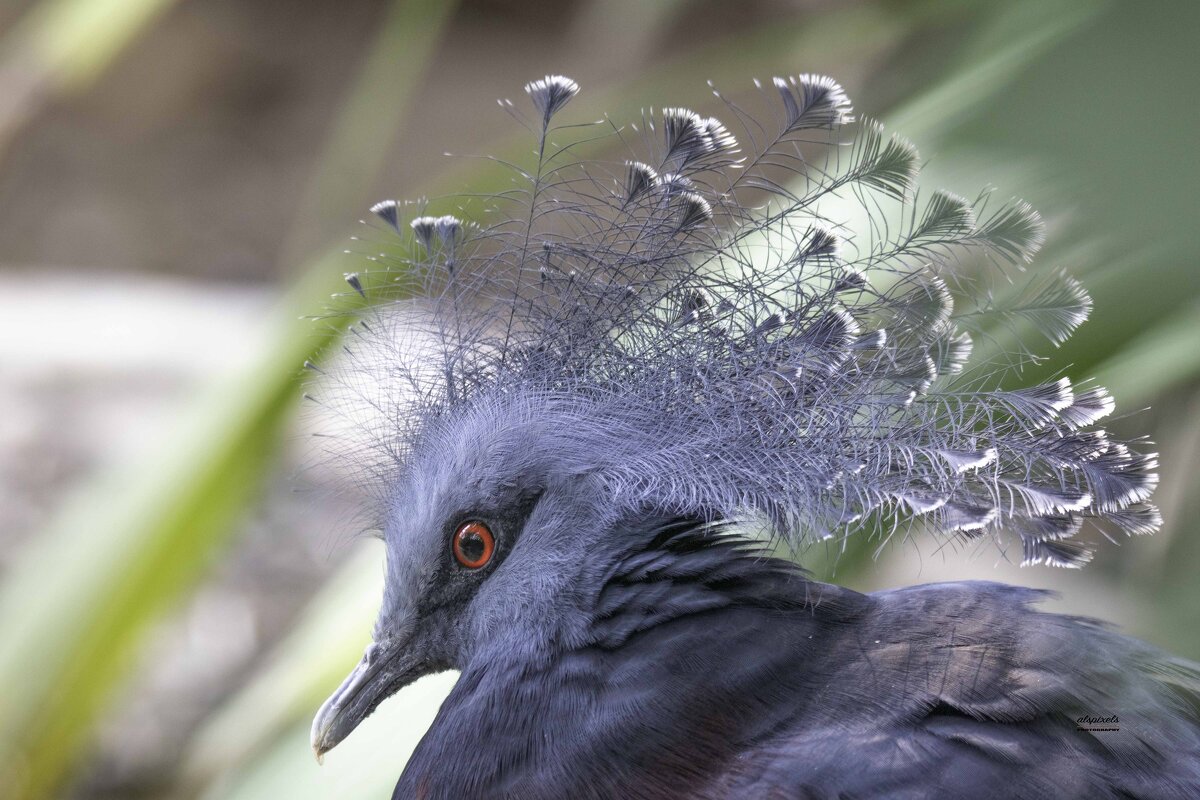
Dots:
pixel 702 351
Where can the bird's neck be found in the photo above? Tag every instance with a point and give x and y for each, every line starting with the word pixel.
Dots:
pixel 669 678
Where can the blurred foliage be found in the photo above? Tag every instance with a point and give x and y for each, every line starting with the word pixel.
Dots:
pixel 61 46
pixel 1064 102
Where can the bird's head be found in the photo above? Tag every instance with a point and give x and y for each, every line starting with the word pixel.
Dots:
pixel 611 346
pixel 497 516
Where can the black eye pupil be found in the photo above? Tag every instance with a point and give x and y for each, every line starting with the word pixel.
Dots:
pixel 472 546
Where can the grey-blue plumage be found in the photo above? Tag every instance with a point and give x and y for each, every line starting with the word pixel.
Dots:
pixel 619 395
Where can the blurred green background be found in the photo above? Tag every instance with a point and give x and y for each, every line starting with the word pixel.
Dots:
pixel 178 179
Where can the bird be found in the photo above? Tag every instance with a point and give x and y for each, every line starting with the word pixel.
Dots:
pixel 602 415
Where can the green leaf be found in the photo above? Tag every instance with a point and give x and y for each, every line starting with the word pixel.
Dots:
pixel 127 551
pixel 365 765
pixel 316 655
pixel 1164 356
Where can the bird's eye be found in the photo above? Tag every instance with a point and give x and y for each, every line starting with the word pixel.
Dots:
pixel 474 544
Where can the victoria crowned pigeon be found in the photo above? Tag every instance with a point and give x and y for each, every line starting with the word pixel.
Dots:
pixel 606 420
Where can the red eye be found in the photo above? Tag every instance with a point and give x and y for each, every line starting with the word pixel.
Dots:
pixel 474 545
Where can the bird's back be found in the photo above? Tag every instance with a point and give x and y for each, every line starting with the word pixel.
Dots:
pixel 964 690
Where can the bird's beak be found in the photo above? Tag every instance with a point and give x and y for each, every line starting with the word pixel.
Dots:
pixel 386 667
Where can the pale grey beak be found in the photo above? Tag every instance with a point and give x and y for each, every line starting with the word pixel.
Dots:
pixel 386 667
